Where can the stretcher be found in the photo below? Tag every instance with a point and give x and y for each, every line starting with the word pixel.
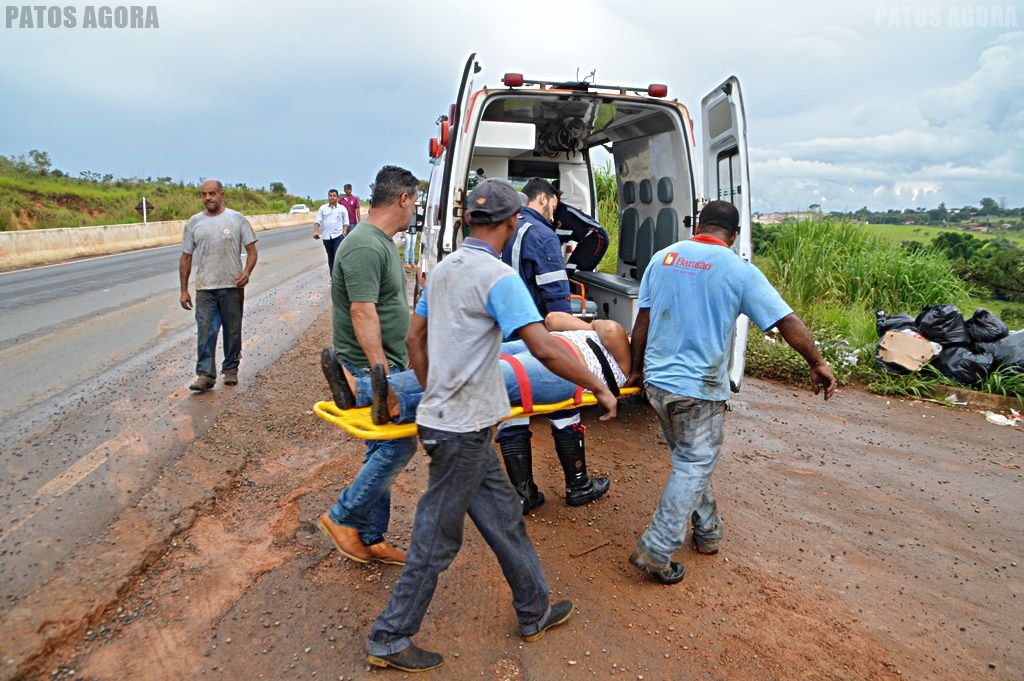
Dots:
pixel 358 423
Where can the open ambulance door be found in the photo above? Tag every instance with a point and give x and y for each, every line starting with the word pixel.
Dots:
pixel 451 208
pixel 727 178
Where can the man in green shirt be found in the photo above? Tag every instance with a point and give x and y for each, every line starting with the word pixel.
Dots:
pixel 371 318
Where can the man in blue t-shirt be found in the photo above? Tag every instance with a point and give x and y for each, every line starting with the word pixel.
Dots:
pixel 690 297
pixel 472 300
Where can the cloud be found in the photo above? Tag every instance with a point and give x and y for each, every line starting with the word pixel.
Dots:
pixel 832 42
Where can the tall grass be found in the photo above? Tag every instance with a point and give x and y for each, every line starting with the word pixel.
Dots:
pixel 836 274
pixel 608 214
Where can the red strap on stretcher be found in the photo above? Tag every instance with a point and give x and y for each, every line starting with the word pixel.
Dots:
pixel 525 391
pixel 523 380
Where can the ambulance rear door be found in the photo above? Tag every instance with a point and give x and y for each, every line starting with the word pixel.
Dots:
pixel 727 178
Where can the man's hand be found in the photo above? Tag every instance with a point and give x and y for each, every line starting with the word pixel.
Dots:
pixel 635 379
pixel 186 300
pixel 316 234
pixel 821 377
pixel 242 279
pixel 609 402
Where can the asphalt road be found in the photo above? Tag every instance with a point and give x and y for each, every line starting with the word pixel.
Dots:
pixel 95 360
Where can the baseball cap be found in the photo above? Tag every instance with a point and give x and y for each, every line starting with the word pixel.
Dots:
pixel 492 201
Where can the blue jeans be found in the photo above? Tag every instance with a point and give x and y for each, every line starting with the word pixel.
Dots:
pixel 694 430
pixel 216 308
pixel 547 387
pixel 464 477
pixel 366 503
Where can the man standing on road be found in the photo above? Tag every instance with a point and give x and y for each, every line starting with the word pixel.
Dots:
pixel 215 237
pixel 351 203
pixel 471 301
pixel 536 254
pixel 331 226
pixel 371 318
pixel 690 296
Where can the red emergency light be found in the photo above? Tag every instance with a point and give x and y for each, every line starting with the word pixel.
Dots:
pixel 513 79
pixel 435 147
pixel 657 90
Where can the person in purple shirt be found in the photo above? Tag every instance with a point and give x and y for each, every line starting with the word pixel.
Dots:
pixel 351 203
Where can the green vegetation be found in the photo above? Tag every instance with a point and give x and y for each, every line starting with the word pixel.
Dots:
pixel 836 275
pixel 901 234
pixel 608 214
pixel 34 195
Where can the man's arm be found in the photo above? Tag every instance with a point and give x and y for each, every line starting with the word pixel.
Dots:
pixel 799 337
pixel 638 342
pixel 366 324
pixel 416 342
pixel 184 270
pixel 560 361
pixel 250 262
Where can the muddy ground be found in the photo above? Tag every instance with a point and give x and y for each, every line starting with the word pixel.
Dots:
pixel 867 538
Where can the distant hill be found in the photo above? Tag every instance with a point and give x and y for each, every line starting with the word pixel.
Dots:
pixel 34 195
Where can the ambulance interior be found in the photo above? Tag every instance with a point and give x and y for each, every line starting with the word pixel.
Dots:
pixel 558 138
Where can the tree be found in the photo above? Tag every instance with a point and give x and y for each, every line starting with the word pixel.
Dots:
pixel 989 206
pixel 40 161
pixel 278 188
pixel 957 245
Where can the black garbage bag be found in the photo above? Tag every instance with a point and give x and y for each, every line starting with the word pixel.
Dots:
pixel 985 327
pixel 896 322
pixel 1006 352
pixel 963 365
pixel 942 324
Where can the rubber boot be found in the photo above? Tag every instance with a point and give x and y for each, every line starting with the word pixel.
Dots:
pixel 518 457
pixel 579 488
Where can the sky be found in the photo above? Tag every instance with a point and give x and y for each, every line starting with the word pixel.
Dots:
pixel 848 104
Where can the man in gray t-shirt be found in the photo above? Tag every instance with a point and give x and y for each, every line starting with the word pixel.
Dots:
pixel 215 239
pixel 472 300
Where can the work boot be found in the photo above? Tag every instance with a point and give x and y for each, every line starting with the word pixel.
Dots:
pixel 518 457
pixel 663 573
pixel 231 377
pixel 340 390
pixel 579 488
pixel 346 539
pixel 386 553
pixel 412 659
pixel 202 383
pixel 559 613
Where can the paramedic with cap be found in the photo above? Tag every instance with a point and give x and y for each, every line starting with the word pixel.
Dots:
pixel 472 300
pixel 536 254
pixel 690 296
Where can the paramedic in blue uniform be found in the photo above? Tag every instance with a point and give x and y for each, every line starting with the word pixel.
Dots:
pixel 536 254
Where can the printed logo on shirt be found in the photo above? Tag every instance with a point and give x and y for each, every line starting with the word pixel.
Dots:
pixel 673 260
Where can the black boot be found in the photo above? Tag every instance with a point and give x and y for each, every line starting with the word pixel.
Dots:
pixel 518 456
pixel 579 489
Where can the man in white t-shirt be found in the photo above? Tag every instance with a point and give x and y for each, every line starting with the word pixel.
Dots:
pixel 331 226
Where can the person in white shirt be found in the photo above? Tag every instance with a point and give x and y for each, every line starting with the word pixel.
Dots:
pixel 331 226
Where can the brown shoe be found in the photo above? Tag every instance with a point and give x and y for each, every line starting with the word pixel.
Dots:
pixel 346 539
pixel 386 553
pixel 231 377
pixel 202 383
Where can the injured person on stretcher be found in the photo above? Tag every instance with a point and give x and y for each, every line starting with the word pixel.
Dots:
pixel 602 346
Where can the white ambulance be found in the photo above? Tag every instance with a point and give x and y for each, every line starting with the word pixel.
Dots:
pixel 558 131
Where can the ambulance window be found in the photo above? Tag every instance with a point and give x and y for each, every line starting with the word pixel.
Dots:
pixel 729 188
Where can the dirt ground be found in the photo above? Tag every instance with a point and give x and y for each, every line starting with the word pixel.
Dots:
pixel 866 538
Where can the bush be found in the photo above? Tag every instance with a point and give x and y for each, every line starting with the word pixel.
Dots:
pixel 835 274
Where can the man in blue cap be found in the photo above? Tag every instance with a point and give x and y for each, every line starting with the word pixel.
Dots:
pixel 471 302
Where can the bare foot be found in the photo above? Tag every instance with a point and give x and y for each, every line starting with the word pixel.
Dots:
pixel 393 408
pixel 349 378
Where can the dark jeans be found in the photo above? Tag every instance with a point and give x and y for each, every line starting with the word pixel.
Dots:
pixel 215 308
pixel 464 478
pixel 366 503
pixel 331 246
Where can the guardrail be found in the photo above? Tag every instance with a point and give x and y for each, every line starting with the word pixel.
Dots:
pixel 45 246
